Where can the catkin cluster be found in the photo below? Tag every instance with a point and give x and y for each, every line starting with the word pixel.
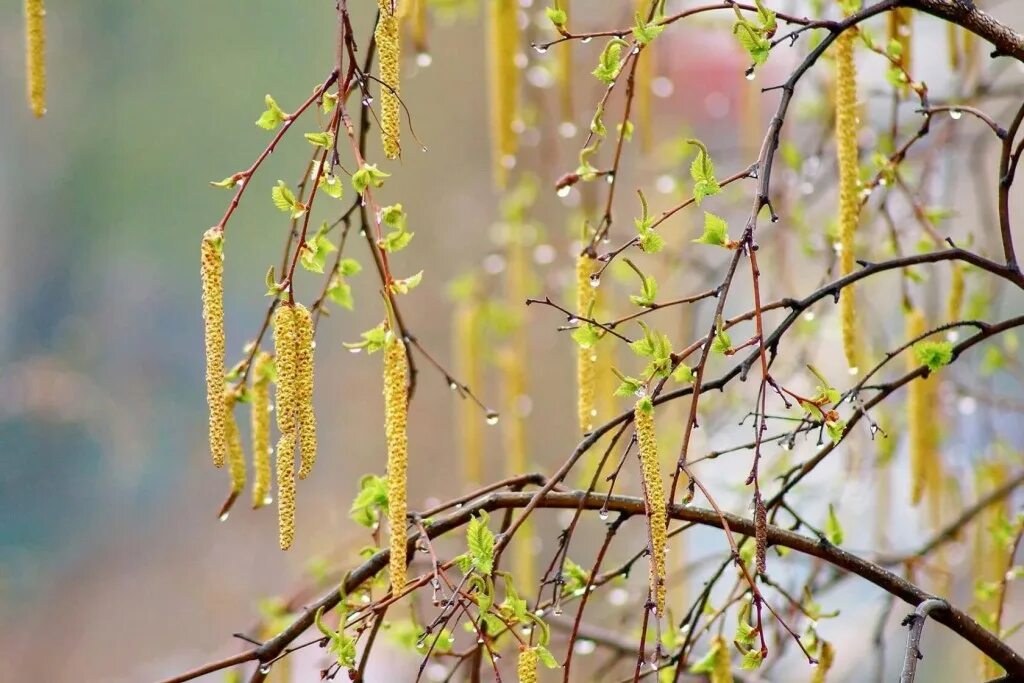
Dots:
pixel 35 55
pixel 921 426
pixel 503 40
pixel 260 425
pixel 849 202
pixel 293 350
pixel 388 46
pixel 212 272
pixel 526 667
pixel 468 357
pixel 396 417
pixel 654 494
pixel 586 358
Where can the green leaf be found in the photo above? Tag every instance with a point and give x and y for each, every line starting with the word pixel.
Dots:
pixel 752 660
pixel 644 32
pixel 648 292
pixel 629 386
pixel 227 183
pixel 702 170
pixel 716 231
pixel 316 249
pixel 284 199
pixel 370 502
pixel 557 16
pixel 575 576
pixel 721 343
pixel 753 41
pixel 933 354
pixel 340 292
pixel 683 373
pixel 597 126
pixel 835 429
pixel 394 217
pixel 546 658
pixel 273 116
pixel 609 64
pixel 404 286
pixel 480 542
pixel 367 175
pixel 651 242
pixel 586 335
pixel 327 102
pixel 833 529
pixel 373 339
pixel 349 267
pixel 322 139
pixel 706 664
pixel 331 185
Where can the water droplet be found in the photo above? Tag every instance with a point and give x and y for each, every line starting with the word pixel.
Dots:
pixel 224 516
pixel 854 370
pixel 956 114
pixel 479 641
pixel 595 280
pixel 557 611
pixel 610 178
pixel 268 500
pixel 424 59
pixel 453 385
pixel 564 191
pixel 584 647
pixel 603 513
pixel 367 101
pixel 641 391
pixel 541 49
pixel 636 50
pixel 749 74
pixel 587 39
pixel 265 669
pixel 593 411
pixel 573 320
pixel 492 418
pixel 508 161
pixel 355 349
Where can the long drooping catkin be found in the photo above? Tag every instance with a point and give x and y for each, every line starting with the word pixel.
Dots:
pixel 920 425
pixel 654 494
pixel 722 669
pixel 396 417
pixel 287 409
pixel 260 425
pixel 304 389
pixel 849 203
pixel 35 55
pixel 212 272
pixel 642 93
pixel 503 39
pixel 988 555
pixel 586 357
pixel 526 667
pixel 236 456
pixel 388 49
pixel 468 357
pixel 825 659
pixel 956 293
pixel 900 31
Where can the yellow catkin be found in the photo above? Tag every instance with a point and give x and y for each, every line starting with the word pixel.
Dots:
pixel 825 658
pixel 396 417
pixel 35 55
pixel 953 45
pixel 654 493
pixel 388 49
pixel 212 272
pixel 526 667
pixel 642 93
pixel 236 456
pixel 956 293
pixel 900 31
pixel 988 560
pixel 920 423
pixel 304 389
pixel 849 202
pixel 467 353
pixel 586 358
pixel 287 411
pixel 565 54
pixel 419 27
pixel 721 672
pixel 503 41
pixel 260 425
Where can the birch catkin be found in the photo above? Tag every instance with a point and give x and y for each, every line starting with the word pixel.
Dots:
pixel 722 664
pixel 212 272
pixel 956 293
pixel 920 426
pixel 654 494
pixel 849 203
pixel 388 46
pixel 260 425
pixel 35 55
pixel 304 389
pixel 586 358
pixel 526 667
pixel 287 410
pixel 396 415
pixel 236 456
pixel 504 76
pixel 825 658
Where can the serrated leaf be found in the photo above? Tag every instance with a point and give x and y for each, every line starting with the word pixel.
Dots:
pixel 702 170
pixel 609 63
pixel 370 501
pixel 322 139
pixel 546 658
pixel 332 185
pixel 721 343
pixel 340 292
pixel 273 116
pixel 480 542
pixel 404 286
pixel 716 231
pixel 752 660
pixel 586 335
pixel 933 354
pixel 557 16
pixel 367 175
pixel 644 32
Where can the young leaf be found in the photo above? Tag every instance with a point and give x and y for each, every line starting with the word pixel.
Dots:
pixel 405 285
pixel 609 64
pixel 716 231
pixel 702 170
pixel 273 116
pixel 480 542
pixel 367 175
pixel 933 354
pixel 833 530
pixel 284 199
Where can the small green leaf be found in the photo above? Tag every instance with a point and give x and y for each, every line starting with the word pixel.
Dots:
pixel 586 335
pixel 752 660
pixel 327 102
pixel 644 32
pixel 933 354
pixel 340 292
pixel 370 502
pixel 546 658
pixel 403 286
pixel 373 339
pixel 323 139
pixel 316 249
pixel 702 170
pixel 721 343
pixel 284 199
pixel 367 175
pixel 609 64
pixel 716 231
pixel 683 373
pixel 227 183
pixel 480 542
pixel 557 16
pixel 332 185
pixel 833 529
pixel 273 116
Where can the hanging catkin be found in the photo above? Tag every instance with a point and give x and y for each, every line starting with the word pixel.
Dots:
pixel 419 28
pixel 825 658
pixel 304 389
pixel 654 494
pixel 849 203
pixel 236 456
pixel 396 416
pixel 287 409
pixel 526 667
pixel 900 31
pixel 260 425
pixel 503 40
pixel 721 671
pixel 35 55
pixel 586 357
pixel 920 423
pixel 467 352
pixel 388 49
pixel 212 272
pixel 988 555
pixel 642 93
pixel 565 74
pixel 956 293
